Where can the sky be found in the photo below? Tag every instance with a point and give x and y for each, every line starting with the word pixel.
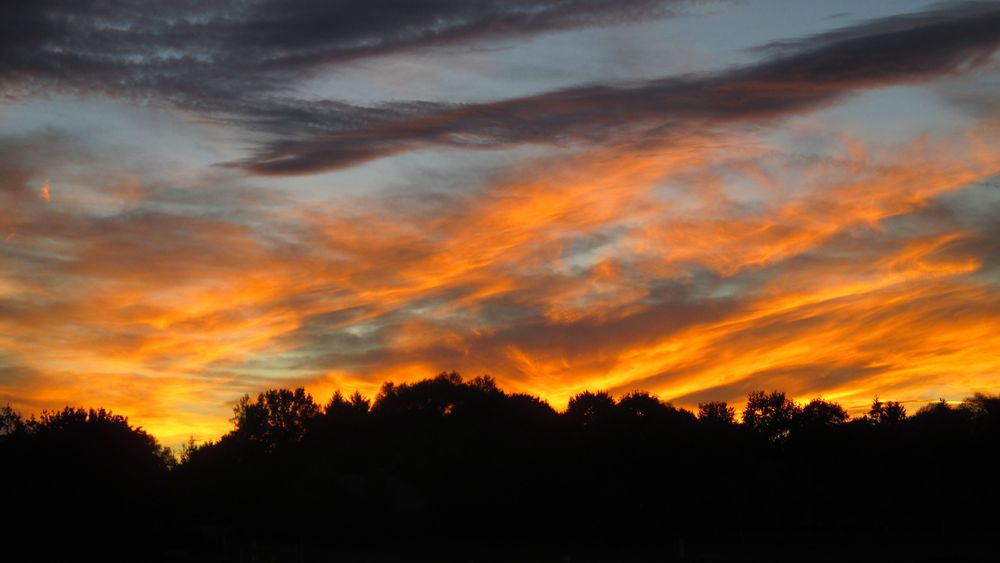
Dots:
pixel 694 198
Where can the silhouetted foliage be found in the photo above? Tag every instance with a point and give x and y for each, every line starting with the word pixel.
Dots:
pixel 276 417
pixel 463 464
pixel 939 408
pixel 982 405
pixel 75 475
pixel 888 413
pixel 717 412
pixel 771 415
pixel 640 404
pixel 190 449
pixel 353 406
pixel 591 408
pixel 10 422
pixel 99 436
pixel 818 414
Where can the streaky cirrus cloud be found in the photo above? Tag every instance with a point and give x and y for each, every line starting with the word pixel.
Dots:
pixel 799 76
pixel 202 59
pixel 206 55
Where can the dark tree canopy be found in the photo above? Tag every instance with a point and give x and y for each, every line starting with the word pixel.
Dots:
pixel 888 413
pixel 717 412
pixel 818 414
pixel 99 436
pixel 10 421
pixel 449 461
pixel 355 405
pixel 591 408
pixel 771 415
pixel 641 404
pixel 276 417
pixel 982 405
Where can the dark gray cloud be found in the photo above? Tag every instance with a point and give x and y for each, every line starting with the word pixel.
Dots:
pixel 800 75
pixel 241 62
pixel 204 54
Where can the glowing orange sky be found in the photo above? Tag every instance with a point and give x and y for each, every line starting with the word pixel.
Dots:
pixel 848 309
pixel 809 252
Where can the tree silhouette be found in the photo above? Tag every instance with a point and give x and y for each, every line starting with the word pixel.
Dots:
pixel 771 415
pixel 10 422
pixel 639 412
pixel 937 408
pixel 102 436
pixel 276 417
pixel 589 409
pixel 76 474
pixel 640 404
pixel 982 405
pixel 355 405
pixel 459 463
pixel 984 414
pixel 435 396
pixel 889 413
pixel 820 414
pixel 717 412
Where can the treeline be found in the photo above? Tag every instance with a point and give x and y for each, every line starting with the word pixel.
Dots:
pixel 449 469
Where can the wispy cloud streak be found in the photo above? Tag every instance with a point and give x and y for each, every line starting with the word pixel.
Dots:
pixel 801 75
pixel 584 277
pixel 200 55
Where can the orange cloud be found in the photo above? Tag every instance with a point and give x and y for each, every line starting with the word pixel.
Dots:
pixel 695 271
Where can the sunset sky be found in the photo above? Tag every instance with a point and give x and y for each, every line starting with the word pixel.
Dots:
pixel 696 198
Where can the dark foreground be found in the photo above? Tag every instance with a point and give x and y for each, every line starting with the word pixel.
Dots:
pixel 448 470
